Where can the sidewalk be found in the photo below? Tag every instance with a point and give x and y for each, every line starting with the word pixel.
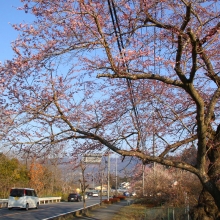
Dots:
pixel 106 212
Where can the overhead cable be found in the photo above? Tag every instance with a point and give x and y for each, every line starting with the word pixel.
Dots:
pixel 121 47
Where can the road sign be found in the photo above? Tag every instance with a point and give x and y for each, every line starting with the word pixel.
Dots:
pixel 92 158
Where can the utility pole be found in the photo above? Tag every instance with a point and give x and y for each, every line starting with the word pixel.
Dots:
pixel 116 176
pixel 143 169
pixel 108 177
pixel 101 187
pixel 154 148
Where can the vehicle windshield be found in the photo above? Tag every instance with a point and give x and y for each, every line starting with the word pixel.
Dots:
pixel 73 195
pixel 17 192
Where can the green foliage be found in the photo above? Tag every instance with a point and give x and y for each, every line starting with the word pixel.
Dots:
pixel 64 197
pixel 12 173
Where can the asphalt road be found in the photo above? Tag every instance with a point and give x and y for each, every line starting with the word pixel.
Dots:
pixel 45 210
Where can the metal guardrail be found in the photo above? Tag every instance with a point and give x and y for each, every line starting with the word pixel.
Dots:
pixel 49 200
pixel 3 203
pixel 44 200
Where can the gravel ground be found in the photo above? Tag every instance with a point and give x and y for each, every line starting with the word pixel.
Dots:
pixel 106 212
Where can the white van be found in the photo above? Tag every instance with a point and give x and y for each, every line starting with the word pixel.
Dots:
pixel 24 198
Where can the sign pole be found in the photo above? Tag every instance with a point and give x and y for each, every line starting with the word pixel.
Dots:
pixel 108 176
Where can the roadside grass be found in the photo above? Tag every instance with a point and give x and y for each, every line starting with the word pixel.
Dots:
pixel 131 212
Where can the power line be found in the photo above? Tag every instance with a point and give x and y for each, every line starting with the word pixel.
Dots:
pixel 120 44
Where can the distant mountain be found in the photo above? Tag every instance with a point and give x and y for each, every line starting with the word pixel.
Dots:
pixel 124 166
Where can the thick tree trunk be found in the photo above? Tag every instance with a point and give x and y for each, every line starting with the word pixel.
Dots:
pixel 206 208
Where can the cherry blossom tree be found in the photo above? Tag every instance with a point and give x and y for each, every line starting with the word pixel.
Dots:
pixel 140 78
pixel 166 184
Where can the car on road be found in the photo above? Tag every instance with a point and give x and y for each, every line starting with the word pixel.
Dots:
pixel 23 198
pixel 89 193
pixel 74 197
pixel 95 194
pixel 127 194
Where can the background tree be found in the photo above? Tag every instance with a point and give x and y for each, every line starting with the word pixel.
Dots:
pixel 166 185
pixel 53 170
pixel 12 173
pixel 45 178
pixel 36 175
pixel 160 89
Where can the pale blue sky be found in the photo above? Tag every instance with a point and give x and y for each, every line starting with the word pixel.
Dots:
pixel 9 15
